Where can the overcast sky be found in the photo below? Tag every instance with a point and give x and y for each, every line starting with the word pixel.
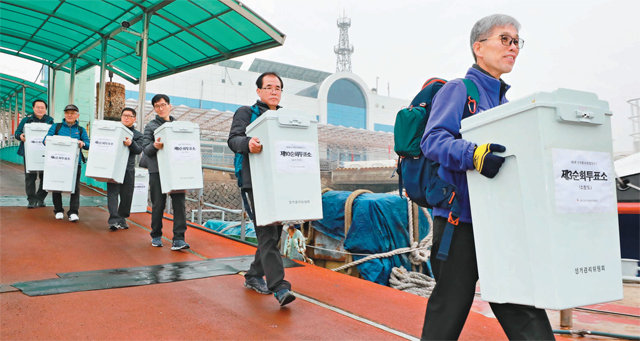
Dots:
pixel 589 45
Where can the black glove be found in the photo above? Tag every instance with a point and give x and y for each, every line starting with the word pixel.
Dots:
pixel 485 161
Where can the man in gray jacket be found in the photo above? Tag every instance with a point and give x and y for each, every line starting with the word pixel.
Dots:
pixel 150 147
pixel 119 213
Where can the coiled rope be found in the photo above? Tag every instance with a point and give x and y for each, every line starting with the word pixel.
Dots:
pixel 413 282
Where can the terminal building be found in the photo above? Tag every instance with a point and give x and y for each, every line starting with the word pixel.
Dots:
pixel 356 123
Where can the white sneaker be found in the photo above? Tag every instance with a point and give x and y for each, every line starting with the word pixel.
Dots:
pixel 59 216
pixel 73 217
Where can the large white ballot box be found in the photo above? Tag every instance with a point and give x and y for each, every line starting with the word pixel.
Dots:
pixel 107 160
pixel 34 133
pixel 285 176
pixel 179 161
pixel 140 199
pixel 60 164
pixel 546 227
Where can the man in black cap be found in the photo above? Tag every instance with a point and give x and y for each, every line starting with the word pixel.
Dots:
pixel 70 127
pixel 34 198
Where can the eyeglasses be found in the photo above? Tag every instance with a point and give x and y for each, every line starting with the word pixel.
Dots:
pixel 272 89
pixel 160 105
pixel 128 116
pixel 507 41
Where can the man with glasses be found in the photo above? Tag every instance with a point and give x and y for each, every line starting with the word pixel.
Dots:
pixel 34 199
pixel 150 147
pixel 70 126
pixel 495 45
pixel 119 213
pixel 267 261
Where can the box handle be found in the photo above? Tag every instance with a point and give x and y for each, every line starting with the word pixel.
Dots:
pixel 294 122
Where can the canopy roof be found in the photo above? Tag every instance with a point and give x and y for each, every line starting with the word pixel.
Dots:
pixel 11 88
pixel 183 34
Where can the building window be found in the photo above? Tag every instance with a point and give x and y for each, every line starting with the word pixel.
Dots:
pixel 346 105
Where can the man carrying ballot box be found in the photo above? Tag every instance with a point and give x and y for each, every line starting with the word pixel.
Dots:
pixel 70 126
pixel 34 199
pixel 495 45
pixel 150 147
pixel 119 213
pixel 267 261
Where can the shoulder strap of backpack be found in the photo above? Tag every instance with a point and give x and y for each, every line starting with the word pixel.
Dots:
pixel 58 127
pixel 471 106
pixel 255 112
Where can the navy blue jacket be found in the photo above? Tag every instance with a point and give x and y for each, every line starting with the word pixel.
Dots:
pixel 442 141
pixel 29 119
pixel 71 131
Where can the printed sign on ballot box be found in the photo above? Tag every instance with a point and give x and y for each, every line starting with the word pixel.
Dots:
pixel 296 157
pixel 583 181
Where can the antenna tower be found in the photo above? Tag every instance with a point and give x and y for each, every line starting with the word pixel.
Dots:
pixel 343 50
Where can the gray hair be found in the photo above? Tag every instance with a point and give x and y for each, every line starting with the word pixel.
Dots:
pixel 484 26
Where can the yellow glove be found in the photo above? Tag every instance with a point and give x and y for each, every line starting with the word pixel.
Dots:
pixel 485 161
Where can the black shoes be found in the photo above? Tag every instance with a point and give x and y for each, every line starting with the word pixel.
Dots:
pixel 179 245
pixel 36 203
pixel 256 283
pixel 284 296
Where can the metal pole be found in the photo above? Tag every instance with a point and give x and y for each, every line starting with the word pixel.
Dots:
pixel 17 116
pixel 10 116
pixel 142 89
pixel 24 99
pixel 72 80
pixel 200 199
pixel 52 93
pixel 103 66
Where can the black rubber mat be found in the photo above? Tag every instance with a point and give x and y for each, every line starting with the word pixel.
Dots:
pixel 145 275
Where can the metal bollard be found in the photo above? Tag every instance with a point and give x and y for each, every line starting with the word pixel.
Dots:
pixel 566 318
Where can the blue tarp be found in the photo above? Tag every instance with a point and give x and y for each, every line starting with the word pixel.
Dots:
pixel 379 225
pixel 218 226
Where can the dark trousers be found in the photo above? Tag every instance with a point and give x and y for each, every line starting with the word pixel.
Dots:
pixel 118 213
pixel 74 202
pixel 268 261
pixel 451 299
pixel 30 185
pixel 158 202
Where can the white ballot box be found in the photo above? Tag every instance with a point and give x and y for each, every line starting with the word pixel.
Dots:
pixel 546 227
pixel 285 176
pixel 61 164
pixel 107 159
pixel 140 199
pixel 179 161
pixel 34 133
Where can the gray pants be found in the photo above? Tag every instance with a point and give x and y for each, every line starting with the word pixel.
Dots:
pixel 268 261
pixel 118 213
pixel 158 202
